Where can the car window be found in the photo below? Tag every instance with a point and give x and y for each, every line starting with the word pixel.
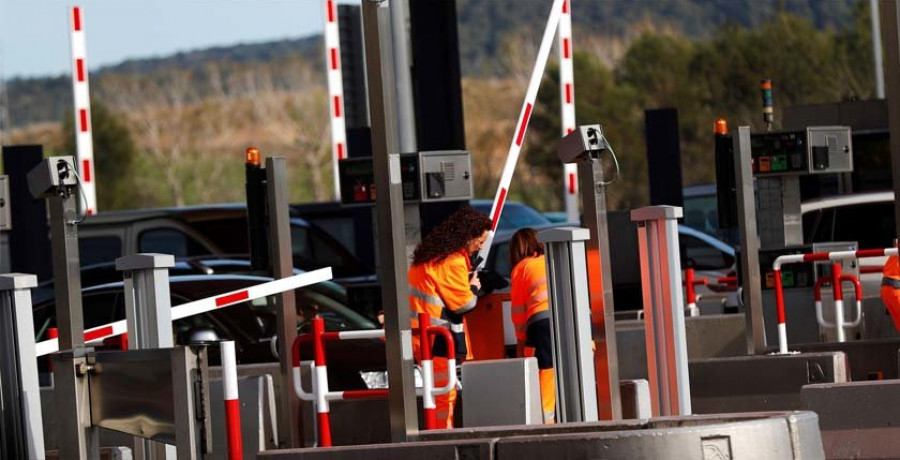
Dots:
pixel 700 255
pixel 100 308
pixel 229 234
pixel 170 241
pixel 301 248
pixel 700 212
pixel 336 315
pixel 515 217
pixel 501 259
pixel 818 226
pixel 98 249
pixel 871 225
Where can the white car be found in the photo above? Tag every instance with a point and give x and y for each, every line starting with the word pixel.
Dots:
pixel 867 218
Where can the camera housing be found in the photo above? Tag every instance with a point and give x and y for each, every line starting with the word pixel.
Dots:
pixel 52 176
pixel 578 143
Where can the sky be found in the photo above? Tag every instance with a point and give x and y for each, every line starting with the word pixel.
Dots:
pixel 34 37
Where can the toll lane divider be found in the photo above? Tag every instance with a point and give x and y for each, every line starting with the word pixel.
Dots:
pixel 835 256
pixel 202 306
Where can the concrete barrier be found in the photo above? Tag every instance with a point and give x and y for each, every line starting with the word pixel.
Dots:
pixel 760 383
pixel 480 449
pixel 711 336
pixel 864 357
pixel 858 419
pixel 788 437
pixel 793 435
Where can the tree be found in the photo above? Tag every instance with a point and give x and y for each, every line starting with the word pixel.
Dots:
pixel 114 154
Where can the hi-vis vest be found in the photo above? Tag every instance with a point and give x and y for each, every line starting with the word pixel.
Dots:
pixel 442 290
pixel 892 273
pixel 529 293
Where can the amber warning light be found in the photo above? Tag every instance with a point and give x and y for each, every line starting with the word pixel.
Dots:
pixel 252 156
pixel 721 126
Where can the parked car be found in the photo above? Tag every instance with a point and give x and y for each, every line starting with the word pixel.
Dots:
pixel 205 230
pixel 252 324
pixel 515 215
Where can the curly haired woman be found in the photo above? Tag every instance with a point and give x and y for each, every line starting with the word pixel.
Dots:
pixel 440 284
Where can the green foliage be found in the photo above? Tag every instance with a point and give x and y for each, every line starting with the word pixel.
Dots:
pixel 114 157
pixel 705 80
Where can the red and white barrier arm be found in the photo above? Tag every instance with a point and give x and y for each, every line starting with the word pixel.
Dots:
pixel 232 401
pixel 202 306
pixel 522 125
pixel 84 143
pixel 567 106
pixel 335 91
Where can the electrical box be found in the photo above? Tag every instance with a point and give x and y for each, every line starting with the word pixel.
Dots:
pixel 816 150
pixel 425 176
pixel 447 176
pixel 5 214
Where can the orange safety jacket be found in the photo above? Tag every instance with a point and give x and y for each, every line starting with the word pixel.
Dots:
pixel 442 290
pixel 529 293
pixel 891 273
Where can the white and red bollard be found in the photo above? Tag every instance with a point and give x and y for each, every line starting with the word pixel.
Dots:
pixel 838 296
pixel 232 403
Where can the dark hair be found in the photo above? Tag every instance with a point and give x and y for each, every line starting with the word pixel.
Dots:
pixel 524 244
pixel 451 235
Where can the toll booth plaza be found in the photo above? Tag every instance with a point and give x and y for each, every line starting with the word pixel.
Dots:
pixel 790 357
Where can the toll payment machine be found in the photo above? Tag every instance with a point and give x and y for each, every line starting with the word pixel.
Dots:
pixel 779 159
pixel 426 176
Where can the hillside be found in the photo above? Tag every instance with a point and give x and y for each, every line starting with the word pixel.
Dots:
pixel 486 27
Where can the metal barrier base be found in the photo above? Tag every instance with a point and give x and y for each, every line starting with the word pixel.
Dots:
pixel 789 435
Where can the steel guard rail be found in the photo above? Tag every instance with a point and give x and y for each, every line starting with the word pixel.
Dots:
pixel 835 256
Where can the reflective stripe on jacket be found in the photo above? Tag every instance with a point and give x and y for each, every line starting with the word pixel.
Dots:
pixel 892 273
pixel 442 290
pixel 529 293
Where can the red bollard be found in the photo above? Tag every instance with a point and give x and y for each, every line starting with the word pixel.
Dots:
pixel 232 403
pixel 321 384
pixel 429 408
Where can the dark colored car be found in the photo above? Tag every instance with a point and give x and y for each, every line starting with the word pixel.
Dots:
pixel 514 216
pixel 205 230
pixel 252 324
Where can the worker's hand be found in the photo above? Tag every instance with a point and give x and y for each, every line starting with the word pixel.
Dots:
pixel 475 281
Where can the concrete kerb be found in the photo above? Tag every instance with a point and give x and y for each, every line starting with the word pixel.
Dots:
pixel 476 449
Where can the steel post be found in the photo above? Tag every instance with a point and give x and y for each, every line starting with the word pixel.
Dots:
pixel 664 330
pixel 749 269
pixel 19 387
pixel 148 314
pixel 570 323
pixel 281 258
pixel 890 30
pixel 606 364
pixel 77 439
pixel 390 218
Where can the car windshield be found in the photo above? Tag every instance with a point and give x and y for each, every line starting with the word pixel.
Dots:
pixel 514 215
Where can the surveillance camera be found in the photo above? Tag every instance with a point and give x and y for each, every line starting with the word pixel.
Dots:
pixel 51 176
pixel 585 139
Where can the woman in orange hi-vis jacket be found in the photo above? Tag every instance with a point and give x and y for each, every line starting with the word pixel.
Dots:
pixel 440 284
pixel 890 288
pixel 531 310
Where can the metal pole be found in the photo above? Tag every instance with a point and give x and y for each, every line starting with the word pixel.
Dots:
pixel 18 370
pixel 391 222
pixel 664 330
pixel 890 29
pixel 282 261
pixel 77 439
pixel 570 323
pixel 148 312
pixel 406 113
pixel 606 363
pixel 750 282
pixel 877 51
